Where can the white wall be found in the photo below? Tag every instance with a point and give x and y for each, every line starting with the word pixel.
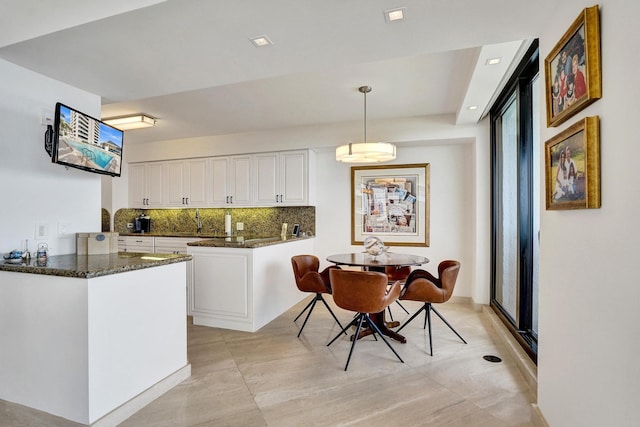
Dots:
pixel 451 207
pixel 588 373
pixel 33 189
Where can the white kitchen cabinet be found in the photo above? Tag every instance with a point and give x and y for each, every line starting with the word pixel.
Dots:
pixel 283 178
pixel 145 185
pixel 172 245
pixel 243 289
pixel 144 244
pixel 185 183
pixel 230 181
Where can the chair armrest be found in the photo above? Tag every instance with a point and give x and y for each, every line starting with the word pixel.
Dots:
pixel 423 287
pixel 325 276
pixel 392 294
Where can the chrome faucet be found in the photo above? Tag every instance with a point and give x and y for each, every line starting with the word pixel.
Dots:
pixel 199 223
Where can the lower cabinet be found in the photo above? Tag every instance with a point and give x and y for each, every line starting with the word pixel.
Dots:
pixel 144 244
pixel 243 289
pixel 172 245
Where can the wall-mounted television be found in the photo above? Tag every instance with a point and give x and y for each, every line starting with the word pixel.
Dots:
pixel 83 142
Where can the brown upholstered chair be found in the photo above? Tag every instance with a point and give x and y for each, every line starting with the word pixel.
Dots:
pixel 424 287
pixel 364 292
pixel 395 274
pixel 308 279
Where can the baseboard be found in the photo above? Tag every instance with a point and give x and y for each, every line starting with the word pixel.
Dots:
pixel 132 406
pixel 461 300
pixel 536 417
pixel 526 366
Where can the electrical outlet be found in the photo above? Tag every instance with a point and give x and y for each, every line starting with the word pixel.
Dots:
pixel 239 226
pixel 63 229
pixel 130 225
pixel 46 118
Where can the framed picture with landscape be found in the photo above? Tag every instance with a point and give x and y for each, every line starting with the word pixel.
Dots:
pixel 573 69
pixel 391 203
pixel 572 167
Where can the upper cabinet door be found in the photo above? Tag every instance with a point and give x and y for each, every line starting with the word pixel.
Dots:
pixel 197 183
pixel 137 182
pixel 145 185
pixel 294 178
pixel 174 174
pixel 219 167
pixel 267 187
pixel 231 181
pixel 186 183
pixel 282 179
pixel 240 183
pixel 154 185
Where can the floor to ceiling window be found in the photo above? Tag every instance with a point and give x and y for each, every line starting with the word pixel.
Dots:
pixel 515 202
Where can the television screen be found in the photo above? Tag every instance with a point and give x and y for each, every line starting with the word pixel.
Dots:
pixel 83 142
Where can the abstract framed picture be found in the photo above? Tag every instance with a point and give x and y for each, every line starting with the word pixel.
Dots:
pixel 573 69
pixel 572 167
pixel 390 202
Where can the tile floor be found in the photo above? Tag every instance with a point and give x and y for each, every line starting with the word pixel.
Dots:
pixel 272 378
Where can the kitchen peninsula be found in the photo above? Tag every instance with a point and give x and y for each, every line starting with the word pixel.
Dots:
pixel 93 338
pixel 243 284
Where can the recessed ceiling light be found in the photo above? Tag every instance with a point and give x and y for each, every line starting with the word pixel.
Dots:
pixel 472 107
pixel 493 61
pixel 261 41
pixel 394 15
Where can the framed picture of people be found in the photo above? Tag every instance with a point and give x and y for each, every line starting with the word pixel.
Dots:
pixel 572 167
pixel 573 69
pixel 391 203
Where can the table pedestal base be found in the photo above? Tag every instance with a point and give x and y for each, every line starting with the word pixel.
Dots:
pixel 378 319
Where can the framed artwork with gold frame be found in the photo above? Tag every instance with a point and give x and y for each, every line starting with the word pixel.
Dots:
pixel 572 167
pixel 573 69
pixel 390 202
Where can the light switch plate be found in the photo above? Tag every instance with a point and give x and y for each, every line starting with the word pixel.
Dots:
pixel 42 231
pixel 63 229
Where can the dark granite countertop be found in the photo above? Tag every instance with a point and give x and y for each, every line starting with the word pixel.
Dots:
pixel 90 266
pixel 246 242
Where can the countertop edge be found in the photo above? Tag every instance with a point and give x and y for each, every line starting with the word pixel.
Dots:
pixel 89 273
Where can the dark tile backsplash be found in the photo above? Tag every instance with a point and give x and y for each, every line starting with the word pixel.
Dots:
pixel 257 221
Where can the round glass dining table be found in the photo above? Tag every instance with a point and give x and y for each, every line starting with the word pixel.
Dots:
pixel 378 263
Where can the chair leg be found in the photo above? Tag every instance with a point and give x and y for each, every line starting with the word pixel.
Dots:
pixel 313 304
pixel 305 309
pixel 355 339
pixel 402 307
pixel 390 314
pixel 352 323
pixel 330 311
pixel 447 323
pixel 374 327
pixel 412 317
pixel 427 319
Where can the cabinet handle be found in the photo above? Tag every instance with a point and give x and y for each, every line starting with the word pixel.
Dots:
pixel 187 199
pixel 231 199
pixel 227 199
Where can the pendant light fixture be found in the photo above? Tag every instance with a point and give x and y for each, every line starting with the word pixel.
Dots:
pixel 366 152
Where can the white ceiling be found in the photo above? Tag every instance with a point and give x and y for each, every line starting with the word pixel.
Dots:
pixel 190 63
